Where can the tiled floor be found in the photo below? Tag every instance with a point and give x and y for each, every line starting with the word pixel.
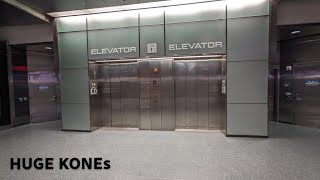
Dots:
pixel 291 152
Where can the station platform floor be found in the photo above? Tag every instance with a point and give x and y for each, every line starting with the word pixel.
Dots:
pixel 291 152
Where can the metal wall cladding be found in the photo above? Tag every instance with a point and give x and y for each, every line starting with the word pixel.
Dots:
pixel 72 50
pixel 76 117
pixel 248 38
pixel 244 87
pixel 196 12
pixel 74 85
pixel 113 43
pixel 69 24
pixel 247 119
pixel 196 38
pixel 113 20
pixel 153 16
pixel 150 35
pixel 247 8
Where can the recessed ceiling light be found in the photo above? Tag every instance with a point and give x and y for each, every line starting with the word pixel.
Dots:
pixel 48 48
pixel 295 32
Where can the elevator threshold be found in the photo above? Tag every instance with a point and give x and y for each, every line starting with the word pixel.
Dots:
pixel 198 130
pixel 118 128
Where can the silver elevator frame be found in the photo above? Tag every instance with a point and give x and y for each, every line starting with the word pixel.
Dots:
pixel 159 93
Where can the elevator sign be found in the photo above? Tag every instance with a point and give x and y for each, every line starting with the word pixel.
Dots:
pixel 152 48
pixel 194 46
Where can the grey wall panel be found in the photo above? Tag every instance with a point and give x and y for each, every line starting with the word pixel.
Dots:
pixel 74 85
pixel 74 23
pixel 247 82
pixel 112 20
pixel 247 8
pixel 76 117
pixel 29 34
pixel 247 119
pixel 308 12
pixel 181 38
pixel 73 50
pixel 152 17
pixel 113 43
pixel 152 34
pixel 196 12
pixel 248 38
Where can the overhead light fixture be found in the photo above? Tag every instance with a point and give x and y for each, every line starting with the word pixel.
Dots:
pixel 295 32
pixel 48 48
pixel 127 7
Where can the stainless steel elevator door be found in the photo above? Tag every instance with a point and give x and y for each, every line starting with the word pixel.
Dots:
pixel 129 87
pixel 197 94
pixel 191 95
pixel 156 94
pixel 106 94
pixel 145 98
pixel 167 95
pixel 180 93
pixel 115 95
pixel 215 78
pixel 124 85
pixel 202 94
pixel 307 93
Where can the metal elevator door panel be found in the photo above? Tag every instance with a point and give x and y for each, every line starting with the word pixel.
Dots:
pixel 191 95
pixel 155 79
pixel 214 94
pixel 197 94
pixel 106 95
pixel 202 94
pixel 115 95
pixel 167 96
pixel 156 94
pixel 180 93
pixel 307 93
pixel 145 103
pixel 129 89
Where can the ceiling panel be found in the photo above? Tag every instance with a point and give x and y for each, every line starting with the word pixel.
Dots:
pixel 11 16
pixel 47 6
pixel 297 31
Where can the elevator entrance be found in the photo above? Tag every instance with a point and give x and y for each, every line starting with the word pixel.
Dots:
pixel 161 94
pixel 156 94
pixel 197 99
pixel 120 90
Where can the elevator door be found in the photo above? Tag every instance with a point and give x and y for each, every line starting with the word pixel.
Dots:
pixel 124 84
pixel 156 94
pixel 307 93
pixel 197 94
